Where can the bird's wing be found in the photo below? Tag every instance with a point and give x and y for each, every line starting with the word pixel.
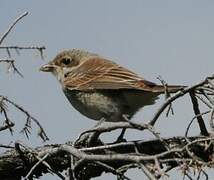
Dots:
pixel 98 73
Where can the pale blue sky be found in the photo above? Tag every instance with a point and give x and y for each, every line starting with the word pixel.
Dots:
pixel 174 39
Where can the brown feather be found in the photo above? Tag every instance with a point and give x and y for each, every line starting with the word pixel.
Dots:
pixel 98 73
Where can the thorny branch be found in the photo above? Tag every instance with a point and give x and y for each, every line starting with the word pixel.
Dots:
pixel 151 158
pixel 18 48
pixel 11 62
pixel 176 96
pixel 4 101
pixel 27 127
pixel 155 158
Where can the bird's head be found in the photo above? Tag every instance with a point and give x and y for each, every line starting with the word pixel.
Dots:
pixel 66 62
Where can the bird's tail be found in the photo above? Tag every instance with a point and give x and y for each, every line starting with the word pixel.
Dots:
pixel 170 88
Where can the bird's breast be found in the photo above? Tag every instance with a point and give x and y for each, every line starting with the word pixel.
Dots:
pixel 93 105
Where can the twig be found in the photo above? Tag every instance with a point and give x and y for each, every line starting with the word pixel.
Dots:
pixel 71 174
pixel 21 154
pixel 207 97
pixel 6 146
pixel 149 128
pixel 112 170
pixel 205 174
pixel 23 47
pixel 8 122
pixel 35 166
pixel 11 63
pixel 188 176
pixel 167 95
pixel 11 27
pixel 174 97
pixel 203 101
pixel 211 120
pixel 197 112
pixel 6 126
pixel 188 127
pixel 161 173
pixel 29 117
pixel 147 172
pixel 35 154
pixel 17 48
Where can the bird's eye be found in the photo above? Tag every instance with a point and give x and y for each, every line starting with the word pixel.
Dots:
pixel 66 61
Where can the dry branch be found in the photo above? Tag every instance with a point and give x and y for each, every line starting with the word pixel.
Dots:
pixel 11 27
pixel 122 154
pixel 154 157
pixel 176 96
pixel 4 101
pixel 27 127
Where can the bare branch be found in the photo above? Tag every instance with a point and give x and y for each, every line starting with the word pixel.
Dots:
pixel 6 126
pixel 26 129
pixel 112 157
pixel 195 117
pixel 12 66
pixel 174 97
pixel 147 172
pixel 167 95
pixel 35 166
pixel 11 27
pixel 17 48
pixel 198 114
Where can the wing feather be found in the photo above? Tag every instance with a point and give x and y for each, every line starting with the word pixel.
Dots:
pixel 98 73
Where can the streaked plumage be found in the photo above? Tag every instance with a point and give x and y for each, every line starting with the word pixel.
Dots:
pixel 99 88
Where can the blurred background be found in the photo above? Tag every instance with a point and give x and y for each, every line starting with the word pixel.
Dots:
pixel 171 39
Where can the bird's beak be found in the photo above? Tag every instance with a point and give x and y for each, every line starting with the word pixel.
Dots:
pixel 47 68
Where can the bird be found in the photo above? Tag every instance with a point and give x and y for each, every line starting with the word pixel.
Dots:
pixel 100 88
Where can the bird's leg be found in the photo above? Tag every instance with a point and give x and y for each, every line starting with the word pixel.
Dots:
pixel 125 117
pixel 93 138
pixel 88 138
pixel 121 136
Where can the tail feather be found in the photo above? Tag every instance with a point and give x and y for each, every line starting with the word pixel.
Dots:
pixel 170 88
